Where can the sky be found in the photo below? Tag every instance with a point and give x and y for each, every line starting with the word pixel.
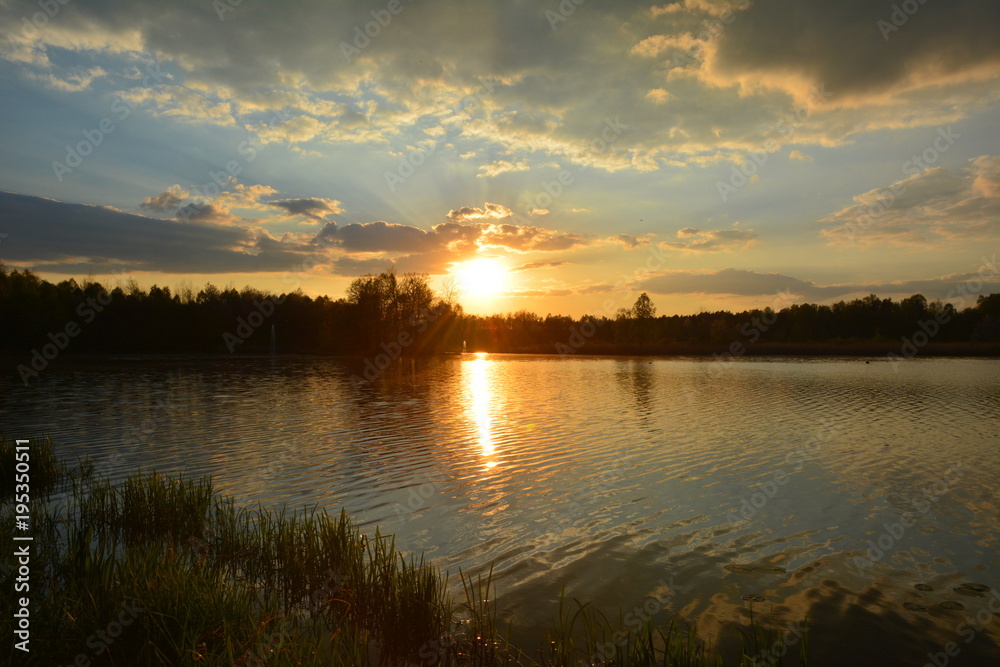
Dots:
pixel 555 156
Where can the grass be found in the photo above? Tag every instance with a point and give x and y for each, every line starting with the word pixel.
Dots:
pixel 46 469
pixel 161 570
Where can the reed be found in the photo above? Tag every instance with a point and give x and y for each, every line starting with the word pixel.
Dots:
pixel 161 570
pixel 46 470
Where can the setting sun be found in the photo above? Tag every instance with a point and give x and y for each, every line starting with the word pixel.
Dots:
pixel 481 278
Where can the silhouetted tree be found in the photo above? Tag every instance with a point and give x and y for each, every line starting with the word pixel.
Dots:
pixel 378 309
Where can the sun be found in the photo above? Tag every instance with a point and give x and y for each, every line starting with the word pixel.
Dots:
pixel 481 278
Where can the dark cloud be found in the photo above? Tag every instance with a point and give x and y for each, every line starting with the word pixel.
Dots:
pixel 49 235
pixel 858 48
pixel 598 289
pixel 311 207
pixel 210 213
pixel 720 240
pixel 378 236
pixel 457 237
pixel 738 282
pixel 349 266
pixel 531 266
pixel 735 282
pixel 167 201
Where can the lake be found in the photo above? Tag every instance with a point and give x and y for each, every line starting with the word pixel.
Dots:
pixel 829 487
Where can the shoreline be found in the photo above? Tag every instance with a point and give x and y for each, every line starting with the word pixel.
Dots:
pixel 723 352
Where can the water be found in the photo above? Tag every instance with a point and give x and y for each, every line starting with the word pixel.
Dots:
pixel 633 483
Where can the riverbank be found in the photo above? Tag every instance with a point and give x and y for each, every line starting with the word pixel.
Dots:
pixel 736 349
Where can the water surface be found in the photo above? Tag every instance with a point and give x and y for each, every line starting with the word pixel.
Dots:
pixel 830 487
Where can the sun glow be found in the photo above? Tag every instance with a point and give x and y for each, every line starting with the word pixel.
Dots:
pixel 481 278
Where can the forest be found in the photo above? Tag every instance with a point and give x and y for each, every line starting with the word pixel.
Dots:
pixel 400 315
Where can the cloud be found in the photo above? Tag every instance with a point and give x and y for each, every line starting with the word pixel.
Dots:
pixel 538 211
pixel 658 96
pixel 924 209
pixel 709 7
pixel 531 266
pixel 733 282
pixel 296 130
pixel 182 104
pixel 185 205
pixel 49 235
pixel 721 240
pixel 206 238
pixel 725 70
pixel 524 238
pixel 738 282
pixel 239 195
pixel 351 266
pixel 469 231
pixel 501 167
pixel 207 212
pixel 549 292
pixel 939 43
pixel 70 81
pixel 633 241
pixel 488 212
pixel 379 236
pixel 315 208
pixel 167 201
pixel 799 155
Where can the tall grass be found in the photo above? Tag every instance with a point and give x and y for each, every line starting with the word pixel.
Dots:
pixel 161 570
pixel 47 470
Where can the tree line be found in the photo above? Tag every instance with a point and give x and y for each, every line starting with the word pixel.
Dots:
pixel 401 315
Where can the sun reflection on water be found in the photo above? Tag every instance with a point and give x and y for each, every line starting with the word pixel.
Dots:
pixel 478 384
